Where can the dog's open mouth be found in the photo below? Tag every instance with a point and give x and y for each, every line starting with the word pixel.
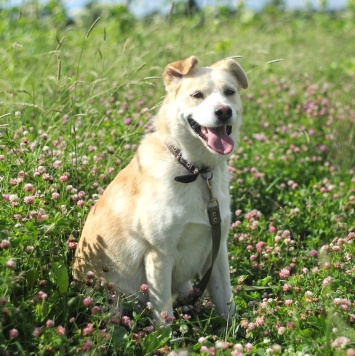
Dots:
pixel 216 138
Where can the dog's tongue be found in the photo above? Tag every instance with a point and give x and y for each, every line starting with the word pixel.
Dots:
pixel 218 140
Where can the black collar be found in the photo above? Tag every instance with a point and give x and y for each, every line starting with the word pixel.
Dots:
pixel 195 171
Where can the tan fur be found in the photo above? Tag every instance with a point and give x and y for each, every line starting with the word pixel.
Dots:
pixel 148 228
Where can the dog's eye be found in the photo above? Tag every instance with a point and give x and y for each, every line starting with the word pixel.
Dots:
pixel 197 95
pixel 229 92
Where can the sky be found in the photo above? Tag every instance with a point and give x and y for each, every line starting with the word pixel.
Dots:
pixel 142 7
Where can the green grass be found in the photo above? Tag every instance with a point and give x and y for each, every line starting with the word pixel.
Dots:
pixel 65 93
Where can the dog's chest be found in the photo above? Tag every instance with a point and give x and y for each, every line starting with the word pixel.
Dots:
pixel 194 238
pixel 179 213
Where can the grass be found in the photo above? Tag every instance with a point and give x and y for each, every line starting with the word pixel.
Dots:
pixel 75 102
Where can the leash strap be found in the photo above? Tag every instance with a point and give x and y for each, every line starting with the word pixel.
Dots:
pixel 215 221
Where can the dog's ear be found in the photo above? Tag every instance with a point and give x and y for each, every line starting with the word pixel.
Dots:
pixel 176 70
pixel 235 68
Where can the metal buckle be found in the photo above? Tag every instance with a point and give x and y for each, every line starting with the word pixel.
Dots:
pixel 207 176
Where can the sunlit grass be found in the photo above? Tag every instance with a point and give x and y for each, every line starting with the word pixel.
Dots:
pixel 75 102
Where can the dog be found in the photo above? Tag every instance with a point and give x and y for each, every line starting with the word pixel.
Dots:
pixel 151 225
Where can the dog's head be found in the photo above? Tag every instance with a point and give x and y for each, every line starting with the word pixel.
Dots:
pixel 206 101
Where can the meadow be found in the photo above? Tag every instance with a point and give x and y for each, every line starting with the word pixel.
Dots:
pixel 75 101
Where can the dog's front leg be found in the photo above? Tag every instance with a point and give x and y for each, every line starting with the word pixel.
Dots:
pixel 158 269
pixel 219 285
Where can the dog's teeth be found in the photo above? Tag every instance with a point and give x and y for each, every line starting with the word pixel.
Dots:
pixel 195 126
pixel 204 130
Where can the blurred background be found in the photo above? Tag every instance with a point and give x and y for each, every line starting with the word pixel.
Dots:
pixel 146 7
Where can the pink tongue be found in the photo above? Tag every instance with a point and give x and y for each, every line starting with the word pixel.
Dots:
pixel 219 141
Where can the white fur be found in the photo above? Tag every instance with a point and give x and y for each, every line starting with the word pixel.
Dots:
pixel 148 228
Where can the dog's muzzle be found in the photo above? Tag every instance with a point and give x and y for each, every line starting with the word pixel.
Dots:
pixel 216 138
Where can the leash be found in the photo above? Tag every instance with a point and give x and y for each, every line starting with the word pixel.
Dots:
pixel 214 217
pixel 213 212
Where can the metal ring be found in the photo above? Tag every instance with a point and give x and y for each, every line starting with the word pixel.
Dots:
pixel 207 178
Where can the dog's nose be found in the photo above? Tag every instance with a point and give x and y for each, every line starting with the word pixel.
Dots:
pixel 223 112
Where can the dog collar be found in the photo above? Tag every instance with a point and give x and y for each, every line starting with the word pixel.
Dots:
pixel 195 171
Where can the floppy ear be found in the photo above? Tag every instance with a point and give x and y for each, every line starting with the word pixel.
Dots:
pixel 235 68
pixel 176 70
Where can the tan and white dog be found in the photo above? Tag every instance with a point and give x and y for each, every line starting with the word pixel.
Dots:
pixel 147 227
